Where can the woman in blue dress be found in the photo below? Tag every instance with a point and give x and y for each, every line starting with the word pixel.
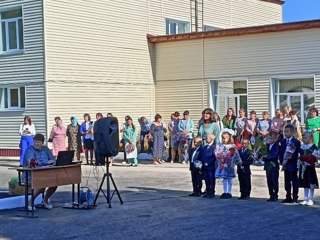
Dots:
pixel 157 131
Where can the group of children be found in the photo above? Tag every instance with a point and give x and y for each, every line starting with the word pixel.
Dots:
pixel 220 161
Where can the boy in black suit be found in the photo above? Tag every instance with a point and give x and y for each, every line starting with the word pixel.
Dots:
pixel 288 156
pixel 271 166
pixel 244 172
pixel 195 167
pixel 208 159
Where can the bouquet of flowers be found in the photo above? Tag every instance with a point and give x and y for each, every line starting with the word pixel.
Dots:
pixel 288 154
pixel 308 158
pixel 225 155
pixel 182 139
pixel 259 150
pixel 131 150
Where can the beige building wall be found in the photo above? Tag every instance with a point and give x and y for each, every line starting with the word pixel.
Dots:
pixel 98 59
pixel 241 13
pixel 217 13
pixel 258 58
pixel 97 56
pixel 25 68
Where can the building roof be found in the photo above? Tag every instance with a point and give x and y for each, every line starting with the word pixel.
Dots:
pixel 274 1
pixel 281 27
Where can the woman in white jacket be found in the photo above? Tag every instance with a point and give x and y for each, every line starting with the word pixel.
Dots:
pixel 27 131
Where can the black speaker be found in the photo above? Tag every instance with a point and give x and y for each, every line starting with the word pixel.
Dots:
pixel 106 136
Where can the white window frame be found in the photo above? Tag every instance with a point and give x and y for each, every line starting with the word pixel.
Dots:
pixel 7 21
pixel 275 96
pixel 213 94
pixel 14 108
pixel 212 28
pixel 177 22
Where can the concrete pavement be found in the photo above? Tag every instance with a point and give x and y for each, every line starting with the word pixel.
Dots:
pixel 157 206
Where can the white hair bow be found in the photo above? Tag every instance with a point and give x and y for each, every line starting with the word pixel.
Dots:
pixel 227 130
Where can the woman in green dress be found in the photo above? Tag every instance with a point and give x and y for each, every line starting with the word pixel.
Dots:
pixel 130 140
pixel 208 126
pixel 229 119
pixel 313 123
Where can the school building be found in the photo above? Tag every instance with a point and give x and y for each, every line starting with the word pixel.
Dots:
pixel 65 58
pixel 259 68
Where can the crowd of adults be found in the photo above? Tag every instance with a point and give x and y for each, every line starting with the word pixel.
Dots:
pixel 177 135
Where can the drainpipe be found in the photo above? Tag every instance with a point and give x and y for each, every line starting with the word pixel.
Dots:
pixel 45 71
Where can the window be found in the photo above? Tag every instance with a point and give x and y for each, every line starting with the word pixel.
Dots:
pixel 207 28
pixel 228 94
pixel 297 93
pixel 11 31
pixel 12 98
pixel 177 26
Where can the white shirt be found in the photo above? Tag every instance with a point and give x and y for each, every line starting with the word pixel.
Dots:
pixel 288 140
pixel 88 127
pixel 194 153
pixel 270 146
pixel 28 127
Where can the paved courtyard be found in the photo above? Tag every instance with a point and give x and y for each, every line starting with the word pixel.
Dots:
pixel 157 206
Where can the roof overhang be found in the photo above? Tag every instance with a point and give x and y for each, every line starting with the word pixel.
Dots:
pixel 275 1
pixel 282 27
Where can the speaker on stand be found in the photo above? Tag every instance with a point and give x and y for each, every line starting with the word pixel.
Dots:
pixel 106 137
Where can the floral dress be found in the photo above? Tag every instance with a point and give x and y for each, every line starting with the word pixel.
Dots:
pixel 74 138
pixel 157 133
pixel 227 157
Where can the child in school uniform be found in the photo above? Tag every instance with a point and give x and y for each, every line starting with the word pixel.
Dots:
pixel 288 156
pixel 244 171
pixel 271 166
pixel 227 157
pixel 307 172
pixel 196 167
pixel 208 159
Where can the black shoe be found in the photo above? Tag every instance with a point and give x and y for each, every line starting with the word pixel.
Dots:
pixel 229 196
pixel 287 200
pixel 270 199
pixel 223 196
pixel 192 195
pixel 197 195
pixel 295 200
pixel 241 197
pixel 246 198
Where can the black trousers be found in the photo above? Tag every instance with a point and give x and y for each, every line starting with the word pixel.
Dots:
pixel 196 180
pixel 291 179
pixel 273 182
pixel 245 184
pixel 210 180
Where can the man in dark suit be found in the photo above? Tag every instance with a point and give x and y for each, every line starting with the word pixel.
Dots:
pixel 288 156
pixel 195 167
pixel 271 166
pixel 208 159
pixel 244 171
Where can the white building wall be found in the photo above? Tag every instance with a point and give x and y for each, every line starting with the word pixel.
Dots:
pixel 24 69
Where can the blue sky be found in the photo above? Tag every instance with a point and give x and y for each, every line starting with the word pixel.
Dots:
pixel 300 10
